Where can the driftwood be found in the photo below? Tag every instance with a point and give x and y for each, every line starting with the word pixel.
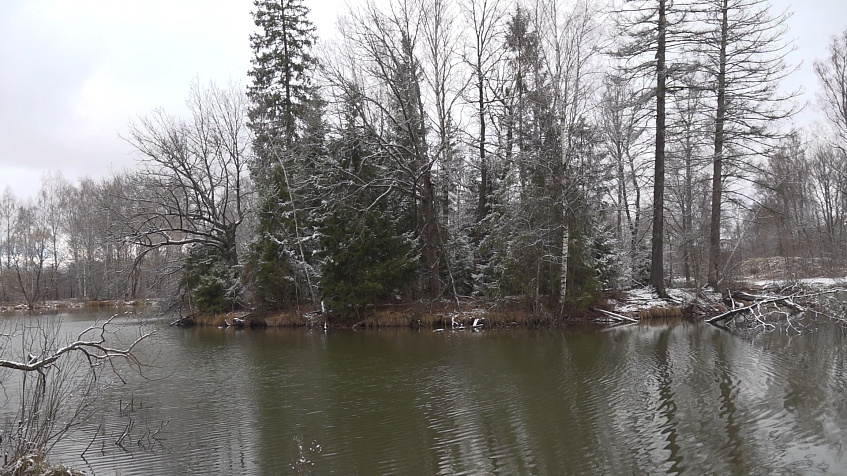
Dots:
pixel 616 316
pixel 799 301
pixel 759 301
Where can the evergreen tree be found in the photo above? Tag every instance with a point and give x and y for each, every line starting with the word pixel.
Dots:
pixel 653 32
pixel 285 116
pixel 281 89
pixel 213 284
pixel 368 254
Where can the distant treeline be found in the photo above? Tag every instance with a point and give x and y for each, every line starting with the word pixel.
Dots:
pixel 548 150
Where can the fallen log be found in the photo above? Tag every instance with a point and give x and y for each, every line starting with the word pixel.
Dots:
pixel 785 300
pixel 616 316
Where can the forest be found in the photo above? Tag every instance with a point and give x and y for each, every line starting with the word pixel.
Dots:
pixel 545 152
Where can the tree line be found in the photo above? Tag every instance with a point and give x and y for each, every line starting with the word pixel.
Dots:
pixel 544 151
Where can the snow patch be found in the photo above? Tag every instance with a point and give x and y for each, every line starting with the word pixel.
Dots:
pixel 640 298
pixel 812 282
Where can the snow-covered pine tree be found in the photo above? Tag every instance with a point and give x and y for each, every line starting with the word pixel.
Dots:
pixel 281 91
pixel 368 254
pixel 285 115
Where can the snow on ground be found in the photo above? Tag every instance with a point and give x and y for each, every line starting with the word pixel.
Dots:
pixel 638 299
pixel 812 282
pixel 644 302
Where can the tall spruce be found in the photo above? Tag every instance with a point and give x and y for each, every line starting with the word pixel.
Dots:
pixel 285 117
pixel 281 89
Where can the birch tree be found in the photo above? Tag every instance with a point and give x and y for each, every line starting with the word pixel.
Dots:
pixel 832 95
pixel 570 43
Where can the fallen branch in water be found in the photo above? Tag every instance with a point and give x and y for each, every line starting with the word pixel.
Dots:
pixel 756 305
pixel 796 304
pixel 95 349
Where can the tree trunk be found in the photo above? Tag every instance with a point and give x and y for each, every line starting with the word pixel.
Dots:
pixel 482 207
pixel 717 173
pixel 657 279
pixel 566 238
pixel 687 217
pixel 430 234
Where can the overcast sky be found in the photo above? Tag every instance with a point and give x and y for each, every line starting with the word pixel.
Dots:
pixel 73 74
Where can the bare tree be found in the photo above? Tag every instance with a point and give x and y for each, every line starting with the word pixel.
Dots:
pixel 54 381
pixel 193 187
pixel 689 136
pixel 381 68
pixel 832 96
pixel 8 208
pixel 50 203
pixel 744 52
pixel 484 52
pixel 622 117
pixel 30 250
pixel 828 169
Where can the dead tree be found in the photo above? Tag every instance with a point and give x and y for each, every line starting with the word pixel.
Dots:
pixel 55 383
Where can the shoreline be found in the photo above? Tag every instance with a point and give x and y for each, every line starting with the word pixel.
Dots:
pixel 74 304
pixel 465 313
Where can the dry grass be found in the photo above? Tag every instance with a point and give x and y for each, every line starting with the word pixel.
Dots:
pixel 435 314
pixel 446 314
pixel 441 314
pixel 288 318
pixel 660 312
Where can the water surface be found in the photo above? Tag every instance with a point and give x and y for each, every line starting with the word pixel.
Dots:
pixel 664 397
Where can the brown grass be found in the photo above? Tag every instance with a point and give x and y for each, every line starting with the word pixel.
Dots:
pixel 428 314
pixel 287 318
pixel 284 318
pixel 660 312
pixel 443 314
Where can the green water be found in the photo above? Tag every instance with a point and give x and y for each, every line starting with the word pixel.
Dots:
pixel 674 397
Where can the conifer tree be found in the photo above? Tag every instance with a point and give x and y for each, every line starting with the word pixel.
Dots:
pixel 281 89
pixel 744 52
pixel 653 31
pixel 285 117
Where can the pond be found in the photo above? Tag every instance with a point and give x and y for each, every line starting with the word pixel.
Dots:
pixel 659 397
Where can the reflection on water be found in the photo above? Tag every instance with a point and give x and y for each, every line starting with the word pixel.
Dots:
pixel 670 397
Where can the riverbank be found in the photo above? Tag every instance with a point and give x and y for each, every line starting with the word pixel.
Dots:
pixel 436 314
pixel 72 304
pixel 632 305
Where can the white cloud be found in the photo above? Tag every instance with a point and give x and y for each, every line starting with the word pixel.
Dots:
pixel 74 73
